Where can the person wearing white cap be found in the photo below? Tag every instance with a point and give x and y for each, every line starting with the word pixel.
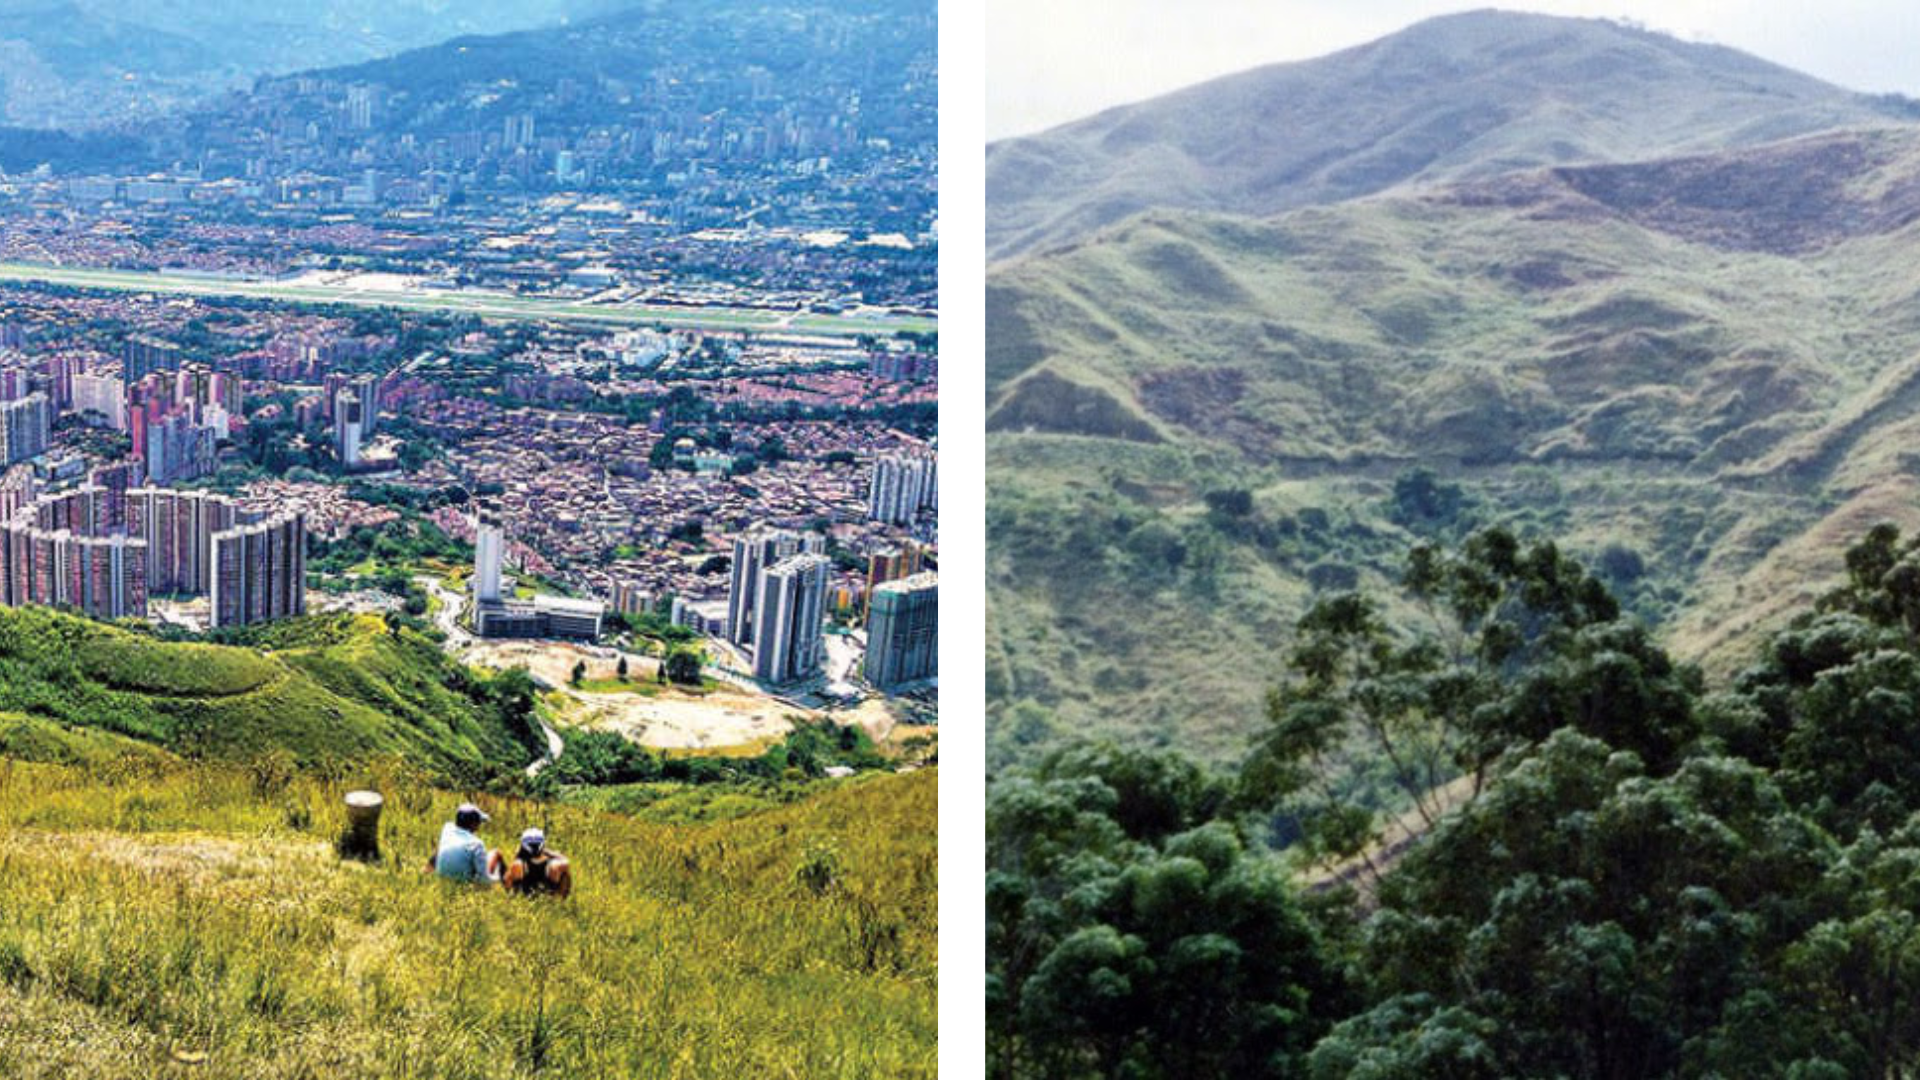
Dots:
pixel 538 870
pixel 462 855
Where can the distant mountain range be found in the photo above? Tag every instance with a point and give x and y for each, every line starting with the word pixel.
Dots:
pixel 91 63
pixel 1682 336
pixel 733 78
pixel 1453 98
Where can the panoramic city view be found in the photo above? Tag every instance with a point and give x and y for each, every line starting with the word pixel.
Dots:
pixel 447 456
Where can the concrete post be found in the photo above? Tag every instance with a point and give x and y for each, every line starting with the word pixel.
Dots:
pixel 361 840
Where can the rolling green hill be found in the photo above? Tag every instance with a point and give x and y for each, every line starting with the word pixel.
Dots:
pixel 1703 372
pixel 1457 97
pixel 325 691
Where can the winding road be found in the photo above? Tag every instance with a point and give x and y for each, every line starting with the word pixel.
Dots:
pixel 452 603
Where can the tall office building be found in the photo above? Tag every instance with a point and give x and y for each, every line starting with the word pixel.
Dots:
pixel 26 424
pixel 753 552
pixel 902 485
pixel 260 571
pixel 488 545
pixel 903 626
pixel 788 611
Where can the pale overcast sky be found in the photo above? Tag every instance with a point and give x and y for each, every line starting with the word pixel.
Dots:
pixel 1051 61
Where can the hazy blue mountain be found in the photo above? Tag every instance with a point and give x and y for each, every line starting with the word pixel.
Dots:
pixel 89 63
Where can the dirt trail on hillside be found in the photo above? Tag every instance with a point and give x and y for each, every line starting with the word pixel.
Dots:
pixel 1396 839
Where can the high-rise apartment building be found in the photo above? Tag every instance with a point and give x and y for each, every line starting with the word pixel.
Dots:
pixel 18 487
pixel 101 399
pixel 260 571
pixel 488 546
pixel 54 550
pixel 892 564
pixel 178 528
pixel 144 354
pixel 367 388
pixel 903 626
pixel 26 425
pixel 788 612
pixel 176 448
pixel 753 552
pixel 902 485
pixel 360 107
pixel 349 429
pixel 518 132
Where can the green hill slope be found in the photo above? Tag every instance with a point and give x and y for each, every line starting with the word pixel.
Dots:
pixel 323 690
pixel 1706 370
pixel 1452 98
pixel 193 919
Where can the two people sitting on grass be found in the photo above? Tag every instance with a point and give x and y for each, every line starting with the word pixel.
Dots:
pixel 535 870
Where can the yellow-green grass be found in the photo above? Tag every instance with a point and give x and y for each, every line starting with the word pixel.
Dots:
pixel 753 748
pixel 126 662
pixel 643 687
pixel 160 912
pixel 649 687
pixel 669 802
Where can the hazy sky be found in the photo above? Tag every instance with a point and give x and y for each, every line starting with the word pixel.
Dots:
pixel 1051 61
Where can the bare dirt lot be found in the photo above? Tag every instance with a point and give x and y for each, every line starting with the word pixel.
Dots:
pixel 650 714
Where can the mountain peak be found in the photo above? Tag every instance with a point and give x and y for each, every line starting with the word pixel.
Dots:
pixel 1454 97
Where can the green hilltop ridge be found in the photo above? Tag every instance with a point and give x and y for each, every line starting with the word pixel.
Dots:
pixel 323 690
pixel 1457 97
pixel 1703 372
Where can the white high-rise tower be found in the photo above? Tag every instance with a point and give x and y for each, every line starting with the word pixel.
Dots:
pixel 487 545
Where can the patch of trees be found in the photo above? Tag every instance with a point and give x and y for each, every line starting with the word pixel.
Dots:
pixel 604 757
pixel 1615 868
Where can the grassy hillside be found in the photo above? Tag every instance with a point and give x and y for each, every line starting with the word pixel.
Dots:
pixel 1456 97
pixel 322 690
pixel 1705 371
pixel 169 918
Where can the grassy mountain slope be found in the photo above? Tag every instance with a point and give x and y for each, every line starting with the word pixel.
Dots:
pixel 326 690
pixel 1704 369
pixel 1452 98
pixel 191 914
